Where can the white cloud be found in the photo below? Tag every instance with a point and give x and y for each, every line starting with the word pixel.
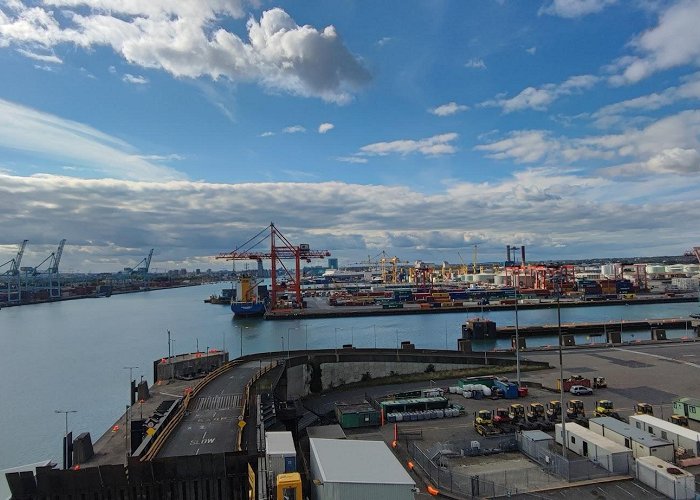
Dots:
pixel 675 41
pixel 476 63
pixel 112 70
pixel 325 127
pixel 188 39
pixel 531 50
pixel 49 136
pixel 668 145
pixel 574 8
pixel 47 58
pixel 450 108
pixel 135 79
pixel 431 146
pixel 294 129
pixel 540 98
pixel 384 40
pixel 351 159
pixel 267 134
pixel 107 222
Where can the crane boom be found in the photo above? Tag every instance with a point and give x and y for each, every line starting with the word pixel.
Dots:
pixel 18 259
pixel 148 261
pixel 57 257
pixel 696 251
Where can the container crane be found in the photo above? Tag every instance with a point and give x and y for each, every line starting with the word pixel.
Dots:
pixel 14 289
pixel 53 284
pixel 281 250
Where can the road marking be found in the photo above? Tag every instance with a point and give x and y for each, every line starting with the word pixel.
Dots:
pixel 197 452
pixel 204 435
pixel 658 356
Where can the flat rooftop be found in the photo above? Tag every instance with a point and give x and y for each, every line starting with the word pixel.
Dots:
pixel 629 431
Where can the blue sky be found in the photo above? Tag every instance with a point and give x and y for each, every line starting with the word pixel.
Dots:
pixel 418 128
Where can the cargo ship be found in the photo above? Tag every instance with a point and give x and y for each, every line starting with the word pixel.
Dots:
pixel 250 299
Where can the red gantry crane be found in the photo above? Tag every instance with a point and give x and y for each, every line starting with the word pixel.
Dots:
pixel 281 250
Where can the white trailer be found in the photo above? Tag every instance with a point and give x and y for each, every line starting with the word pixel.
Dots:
pixel 601 450
pixel 640 442
pixel 280 454
pixel 666 478
pixel 680 436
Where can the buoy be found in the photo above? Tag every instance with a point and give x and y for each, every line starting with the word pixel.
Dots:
pixel 432 490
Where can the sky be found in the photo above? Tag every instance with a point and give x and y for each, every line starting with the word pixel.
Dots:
pixel 417 128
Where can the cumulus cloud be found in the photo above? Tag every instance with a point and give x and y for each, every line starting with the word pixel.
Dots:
pixel 294 129
pixel 188 39
pixel 431 146
pixel 668 145
pixel 267 134
pixel 574 8
pixel 352 159
pixel 540 98
pixel 135 79
pixel 109 222
pixel 475 63
pixel 448 109
pixel 613 114
pixel 531 50
pixel 325 127
pixel 49 136
pixel 673 42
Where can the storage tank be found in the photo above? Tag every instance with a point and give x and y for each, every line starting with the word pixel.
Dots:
pixel 607 269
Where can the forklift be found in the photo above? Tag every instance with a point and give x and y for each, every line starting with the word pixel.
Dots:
pixel 553 411
pixel 483 423
pixel 605 408
pixel 643 409
pixel 681 420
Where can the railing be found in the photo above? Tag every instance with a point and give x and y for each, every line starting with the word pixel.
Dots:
pixel 241 418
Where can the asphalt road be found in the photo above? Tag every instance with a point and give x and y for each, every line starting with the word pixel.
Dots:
pixel 210 425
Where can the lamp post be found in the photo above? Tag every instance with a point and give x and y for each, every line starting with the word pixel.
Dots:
pixel 131 377
pixel 288 330
pixel 375 335
pixel 241 327
pixel 306 328
pixel 397 343
pixel 65 448
pixel 282 338
pixel 557 285
pixel 352 335
pixel 168 345
pixel 517 336
pixel 335 335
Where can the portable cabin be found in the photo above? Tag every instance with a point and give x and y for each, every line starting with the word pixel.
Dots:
pixel 601 450
pixel 688 407
pixel 354 416
pixel 640 442
pixel 681 437
pixel 280 454
pixel 666 478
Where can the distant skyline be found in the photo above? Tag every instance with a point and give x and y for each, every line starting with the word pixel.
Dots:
pixel 417 128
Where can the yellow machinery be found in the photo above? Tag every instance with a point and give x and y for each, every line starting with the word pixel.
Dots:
pixel 517 412
pixel 535 412
pixel 681 420
pixel 553 410
pixel 643 409
pixel 483 423
pixel 289 486
pixel 574 409
pixel 605 408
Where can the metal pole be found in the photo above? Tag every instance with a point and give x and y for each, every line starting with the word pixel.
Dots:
pixel 306 327
pixel 240 327
pixel 375 336
pixel 168 345
pixel 66 412
pixel 561 378
pixel 517 336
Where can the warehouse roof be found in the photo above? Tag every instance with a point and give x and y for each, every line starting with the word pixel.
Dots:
pixel 356 461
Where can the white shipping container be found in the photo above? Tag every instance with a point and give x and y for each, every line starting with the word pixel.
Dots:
pixel 641 443
pixel 681 437
pixel 666 478
pixel 280 453
pixel 606 453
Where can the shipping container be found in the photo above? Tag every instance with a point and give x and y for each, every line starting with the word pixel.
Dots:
pixel 601 450
pixel 640 442
pixel 355 416
pixel 666 478
pixel 681 437
pixel 280 453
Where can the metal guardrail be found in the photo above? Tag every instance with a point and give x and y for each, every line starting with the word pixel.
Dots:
pixel 164 434
pixel 258 375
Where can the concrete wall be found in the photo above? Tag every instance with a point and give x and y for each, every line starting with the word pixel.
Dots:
pixel 335 374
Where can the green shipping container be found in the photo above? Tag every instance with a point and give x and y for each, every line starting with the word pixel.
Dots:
pixel 354 416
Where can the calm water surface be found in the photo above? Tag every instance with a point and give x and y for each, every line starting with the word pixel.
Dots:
pixel 71 355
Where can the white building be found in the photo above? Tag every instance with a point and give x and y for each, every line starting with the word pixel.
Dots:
pixel 347 469
pixel 640 442
pixel 681 437
pixel 666 478
pixel 601 450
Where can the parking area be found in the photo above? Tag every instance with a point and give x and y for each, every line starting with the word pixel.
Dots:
pixel 655 374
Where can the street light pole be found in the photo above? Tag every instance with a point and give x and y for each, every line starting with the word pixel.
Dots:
pixel 335 335
pixel 65 453
pixel 168 345
pixel 517 336
pixel 375 335
pixel 561 372
pixel 288 330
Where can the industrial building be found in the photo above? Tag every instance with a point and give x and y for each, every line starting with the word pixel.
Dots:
pixel 640 442
pixel 344 469
pixel 601 450
pixel 681 437
pixel 666 478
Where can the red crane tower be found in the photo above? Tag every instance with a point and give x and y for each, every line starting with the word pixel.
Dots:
pixel 280 250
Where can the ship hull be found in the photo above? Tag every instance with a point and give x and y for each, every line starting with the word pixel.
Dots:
pixel 248 309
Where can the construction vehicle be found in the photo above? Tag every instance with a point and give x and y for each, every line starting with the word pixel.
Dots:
pixel 605 408
pixel 599 383
pixel 537 415
pixel 519 419
pixel 502 420
pixel 575 412
pixel 483 423
pixel 553 412
pixel 643 409
pixel 681 420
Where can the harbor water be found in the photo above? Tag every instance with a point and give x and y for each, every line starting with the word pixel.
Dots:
pixel 74 355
